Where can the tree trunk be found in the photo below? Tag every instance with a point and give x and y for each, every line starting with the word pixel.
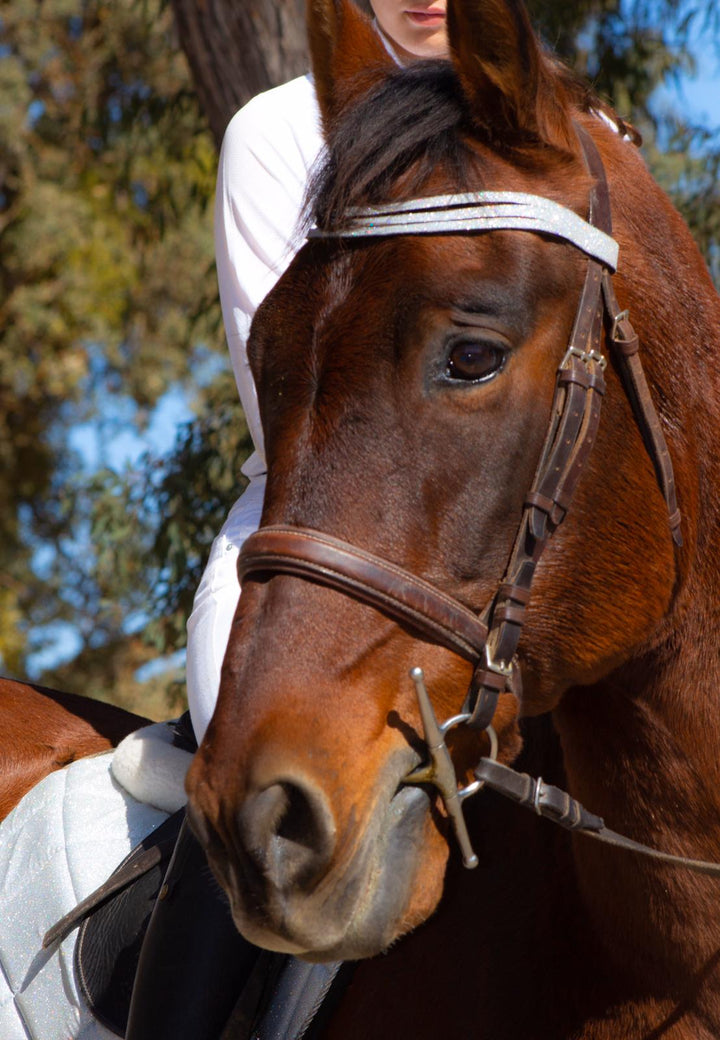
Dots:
pixel 237 48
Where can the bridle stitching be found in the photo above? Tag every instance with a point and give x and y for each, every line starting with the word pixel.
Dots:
pixel 421 584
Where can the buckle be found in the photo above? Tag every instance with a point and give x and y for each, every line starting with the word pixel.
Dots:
pixel 616 322
pixel 498 667
pixel 586 356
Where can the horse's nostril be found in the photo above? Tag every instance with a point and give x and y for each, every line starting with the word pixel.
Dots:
pixel 288 831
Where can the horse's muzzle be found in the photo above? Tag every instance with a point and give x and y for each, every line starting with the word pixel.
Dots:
pixel 300 883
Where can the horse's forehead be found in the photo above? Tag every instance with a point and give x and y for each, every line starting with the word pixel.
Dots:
pixel 391 284
pixel 355 371
pixel 354 281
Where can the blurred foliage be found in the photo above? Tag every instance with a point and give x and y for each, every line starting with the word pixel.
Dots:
pixel 210 449
pixel 630 50
pixel 108 299
pixel 107 286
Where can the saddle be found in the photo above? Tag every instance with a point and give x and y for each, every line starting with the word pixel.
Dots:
pixel 114 923
pixel 189 976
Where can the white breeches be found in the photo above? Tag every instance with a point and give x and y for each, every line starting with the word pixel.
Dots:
pixel 216 599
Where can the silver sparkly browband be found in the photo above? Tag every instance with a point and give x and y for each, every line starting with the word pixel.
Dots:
pixel 478 211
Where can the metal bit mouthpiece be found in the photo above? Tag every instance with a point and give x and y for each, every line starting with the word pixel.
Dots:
pixel 440 771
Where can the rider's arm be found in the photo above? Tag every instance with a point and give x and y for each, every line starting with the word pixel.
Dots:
pixel 268 149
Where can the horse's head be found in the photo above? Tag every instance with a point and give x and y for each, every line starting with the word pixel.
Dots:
pixel 406 387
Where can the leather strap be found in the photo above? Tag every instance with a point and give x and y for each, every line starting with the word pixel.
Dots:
pixel 574 420
pixel 135 866
pixel 542 798
pixel 385 586
pixel 625 346
pixel 575 417
pixel 556 805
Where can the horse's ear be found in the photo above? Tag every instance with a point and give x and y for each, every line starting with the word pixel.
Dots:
pixel 513 89
pixel 347 54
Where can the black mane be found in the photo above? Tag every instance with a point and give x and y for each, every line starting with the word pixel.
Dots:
pixel 415 121
pixel 411 121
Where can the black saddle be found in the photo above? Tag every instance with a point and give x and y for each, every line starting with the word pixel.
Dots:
pixel 108 946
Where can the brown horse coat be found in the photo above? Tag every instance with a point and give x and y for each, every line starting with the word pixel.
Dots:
pixel 297 791
pixel 374 437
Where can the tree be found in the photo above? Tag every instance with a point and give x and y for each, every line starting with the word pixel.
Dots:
pixel 237 50
pixel 629 50
pixel 107 285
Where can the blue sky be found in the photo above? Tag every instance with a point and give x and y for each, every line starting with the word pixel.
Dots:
pixel 699 96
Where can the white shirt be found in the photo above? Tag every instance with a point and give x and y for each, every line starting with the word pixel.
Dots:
pixel 269 148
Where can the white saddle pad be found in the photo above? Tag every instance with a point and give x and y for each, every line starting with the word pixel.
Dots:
pixel 57 846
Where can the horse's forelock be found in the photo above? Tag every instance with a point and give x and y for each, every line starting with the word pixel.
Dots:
pixel 416 122
pixel 402 129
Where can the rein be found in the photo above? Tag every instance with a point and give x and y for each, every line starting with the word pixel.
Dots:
pixel 490 641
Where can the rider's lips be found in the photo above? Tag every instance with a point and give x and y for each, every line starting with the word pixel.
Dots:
pixel 426 17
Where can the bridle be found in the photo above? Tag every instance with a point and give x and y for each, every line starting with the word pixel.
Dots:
pixel 490 640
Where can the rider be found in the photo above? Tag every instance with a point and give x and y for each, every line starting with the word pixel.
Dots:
pixel 269 148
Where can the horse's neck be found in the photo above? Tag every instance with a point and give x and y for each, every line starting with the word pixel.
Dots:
pixel 642 750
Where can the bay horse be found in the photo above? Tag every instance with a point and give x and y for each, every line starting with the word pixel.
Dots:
pixel 406 384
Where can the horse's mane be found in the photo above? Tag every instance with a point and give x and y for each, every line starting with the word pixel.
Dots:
pixel 413 122
pixel 407 125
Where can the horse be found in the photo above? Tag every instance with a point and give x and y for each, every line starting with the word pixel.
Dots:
pixel 406 385
pixel 407 381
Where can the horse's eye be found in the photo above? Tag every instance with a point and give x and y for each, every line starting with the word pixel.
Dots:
pixel 475 361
